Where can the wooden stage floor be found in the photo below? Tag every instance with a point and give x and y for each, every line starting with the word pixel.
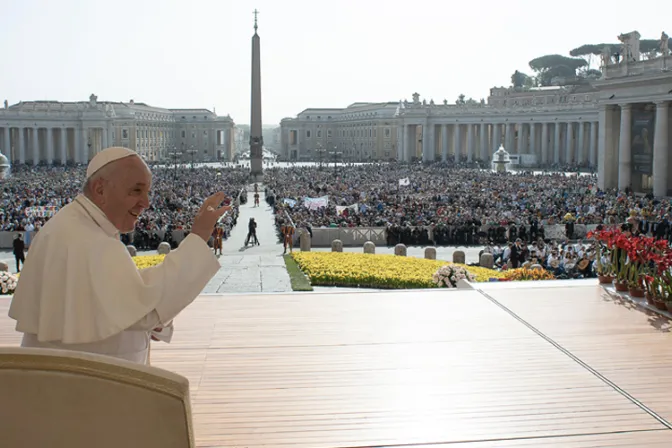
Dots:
pixel 554 366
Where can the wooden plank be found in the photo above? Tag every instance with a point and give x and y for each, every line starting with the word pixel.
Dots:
pixel 627 345
pixel 381 369
pixel 648 439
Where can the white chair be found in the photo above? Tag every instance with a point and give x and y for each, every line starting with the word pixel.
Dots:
pixel 67 399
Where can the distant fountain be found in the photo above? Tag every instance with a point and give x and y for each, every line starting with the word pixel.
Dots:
pixel 4 167
pixel 500 160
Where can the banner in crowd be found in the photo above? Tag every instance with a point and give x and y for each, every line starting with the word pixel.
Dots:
pixel 290 202
pixel 341 208
pixel 315 203
pixel 41 211
pixel 404 182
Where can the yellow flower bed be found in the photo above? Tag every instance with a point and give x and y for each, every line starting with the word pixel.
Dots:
pixel 376 271
pixel 147 261
pixel 521 274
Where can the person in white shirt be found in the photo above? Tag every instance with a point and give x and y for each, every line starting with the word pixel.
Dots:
pixel 80 289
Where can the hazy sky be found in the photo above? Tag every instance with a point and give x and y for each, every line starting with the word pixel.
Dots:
pixel 179 53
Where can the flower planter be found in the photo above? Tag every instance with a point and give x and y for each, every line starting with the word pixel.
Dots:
pixel 605 279
pixel 650 300
pixel 659 304
pixel 668 305
pixel 636 292
pixel 621 287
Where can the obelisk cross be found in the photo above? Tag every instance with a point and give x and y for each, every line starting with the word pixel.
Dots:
pixel 255 20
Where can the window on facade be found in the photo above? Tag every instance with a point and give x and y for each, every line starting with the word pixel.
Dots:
pixel 319 134
pixel 193 135
pixel 319 117
pixel 124 133
pixel 184 134
pixel 328 133
pixel 205 132
pixel 307 134
pixel 387 132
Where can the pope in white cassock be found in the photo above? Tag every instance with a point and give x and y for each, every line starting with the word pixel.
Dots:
pixel 80 289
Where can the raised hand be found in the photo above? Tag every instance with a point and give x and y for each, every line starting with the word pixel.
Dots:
pixel 207 216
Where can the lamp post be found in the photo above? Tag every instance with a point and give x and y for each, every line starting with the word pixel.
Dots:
pixel 336 154
pixel 174 155
pixel 192 152
pixel 320 154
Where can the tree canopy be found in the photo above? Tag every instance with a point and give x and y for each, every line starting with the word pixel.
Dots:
pixel 578 67
pixel 520 80
pixel 555 65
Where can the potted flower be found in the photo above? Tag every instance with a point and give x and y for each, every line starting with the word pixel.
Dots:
pixel 619 261
pixel 604 245
pixel 447 276
pixel 8 283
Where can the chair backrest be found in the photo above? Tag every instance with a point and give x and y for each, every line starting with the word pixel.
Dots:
pixel 68 399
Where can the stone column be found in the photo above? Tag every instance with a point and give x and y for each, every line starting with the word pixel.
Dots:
pixel 624 149
pixel 36 146
pixel 470 142
pixel 50 145
pixel 426 143
pixel 569 147
pixel 7 148
pixel 63 149
pixel 607 148
pixel 532 147
pixel 592 145
pixel 457 140
pixel 544 143
pixel 400 143
pixel 22 145
pixel 556 142
pixel 580 151
pixel 520 139
pixel 660 149
pixel 444 142
pixel 104 132
pixel 483 148
pixel 410 142
pixel 83 150
pixel 497 137
pixel 509 137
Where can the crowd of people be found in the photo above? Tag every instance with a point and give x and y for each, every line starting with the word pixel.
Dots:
pixel 436 204
pixel 31 194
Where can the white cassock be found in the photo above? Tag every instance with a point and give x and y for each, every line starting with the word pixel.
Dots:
pixel 80 289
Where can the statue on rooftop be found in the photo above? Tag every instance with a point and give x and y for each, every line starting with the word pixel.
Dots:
pixel 664 44
pixel 6 105
pixel 606 56
pixel 416 98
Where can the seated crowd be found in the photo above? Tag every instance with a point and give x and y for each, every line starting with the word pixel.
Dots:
pixel 445 206
pixel 175 197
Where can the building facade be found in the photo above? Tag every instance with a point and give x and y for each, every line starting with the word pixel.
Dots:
pixel 634 104
pixel 359 132
pixel 73 132
pixel 546 125
pixel 618 124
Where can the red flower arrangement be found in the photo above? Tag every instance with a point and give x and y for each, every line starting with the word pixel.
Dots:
pixel 638 261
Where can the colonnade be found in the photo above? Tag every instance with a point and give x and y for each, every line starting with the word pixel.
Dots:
pixel 34 144
pixel 553 142
pixel 629 156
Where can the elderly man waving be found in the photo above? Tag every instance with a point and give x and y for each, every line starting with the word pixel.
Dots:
pixel 80 289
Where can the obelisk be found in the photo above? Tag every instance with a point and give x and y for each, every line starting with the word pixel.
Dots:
pixel 256 138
